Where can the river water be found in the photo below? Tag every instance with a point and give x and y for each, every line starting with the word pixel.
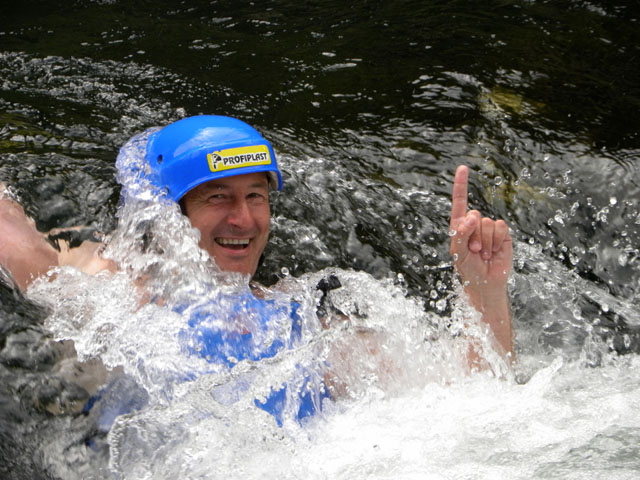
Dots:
pixel 370 106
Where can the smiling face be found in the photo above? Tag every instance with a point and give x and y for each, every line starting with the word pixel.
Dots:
pixel 233 217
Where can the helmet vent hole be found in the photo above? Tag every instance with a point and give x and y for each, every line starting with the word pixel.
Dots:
pixel 159 159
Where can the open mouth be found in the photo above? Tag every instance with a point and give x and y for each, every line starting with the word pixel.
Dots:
pixel 233 243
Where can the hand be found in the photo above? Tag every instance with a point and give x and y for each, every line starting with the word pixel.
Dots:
pixel 482 253
pixel 481 247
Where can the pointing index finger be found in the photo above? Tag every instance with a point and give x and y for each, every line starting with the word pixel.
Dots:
pixel 459 197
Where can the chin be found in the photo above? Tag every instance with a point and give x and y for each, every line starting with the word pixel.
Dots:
pixel 242 269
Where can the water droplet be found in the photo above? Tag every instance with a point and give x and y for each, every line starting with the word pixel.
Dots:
pixel 601 216
pixel 574 208
pixel 284 271
pixel 613 201
pixel 622 259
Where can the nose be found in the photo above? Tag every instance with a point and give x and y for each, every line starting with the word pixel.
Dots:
pixel 240 214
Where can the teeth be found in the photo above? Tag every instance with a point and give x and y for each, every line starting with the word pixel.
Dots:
pixel 233 241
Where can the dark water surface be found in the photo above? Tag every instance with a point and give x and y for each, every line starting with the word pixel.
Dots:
pixel 370 106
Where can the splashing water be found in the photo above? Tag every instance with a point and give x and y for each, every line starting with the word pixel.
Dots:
pixel 404 401
pixel 367 146
pixel 185 412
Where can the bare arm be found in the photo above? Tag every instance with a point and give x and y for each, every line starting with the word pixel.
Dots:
pixel 23 250
pixel 482 253
pixel 26 253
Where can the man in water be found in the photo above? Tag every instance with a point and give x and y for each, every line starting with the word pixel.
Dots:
pixel 220 170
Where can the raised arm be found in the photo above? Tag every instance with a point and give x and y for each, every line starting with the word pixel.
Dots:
pixel 482 254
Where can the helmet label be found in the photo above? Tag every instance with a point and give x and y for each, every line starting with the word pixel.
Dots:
pixel 238 158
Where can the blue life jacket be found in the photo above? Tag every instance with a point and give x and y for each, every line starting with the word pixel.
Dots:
pixel 257 335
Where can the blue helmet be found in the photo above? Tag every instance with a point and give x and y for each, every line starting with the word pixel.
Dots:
pixel 197 149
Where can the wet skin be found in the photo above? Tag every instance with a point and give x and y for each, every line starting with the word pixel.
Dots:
pixel 482 251
pixel 232 215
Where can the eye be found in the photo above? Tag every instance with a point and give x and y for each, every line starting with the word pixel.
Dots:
pixel 216 197
pixel 257 196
